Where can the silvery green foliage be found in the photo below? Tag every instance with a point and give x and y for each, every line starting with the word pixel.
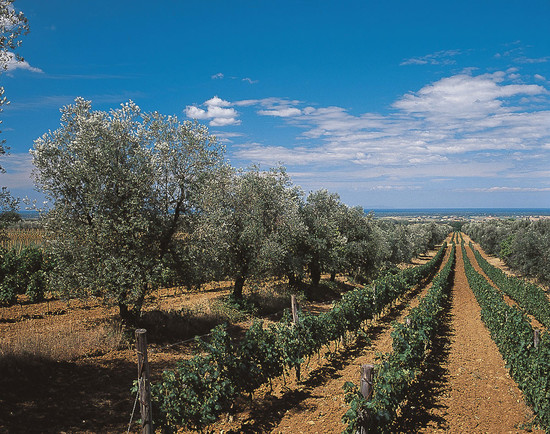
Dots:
pixel 323 214
pixel 124 185
pixel 12 25
pixel 259 223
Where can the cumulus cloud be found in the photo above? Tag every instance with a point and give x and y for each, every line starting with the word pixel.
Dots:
pixel 217 76
pixel 217 110
pixel 281 112
pixel 465 125
pixel 10 63
pixel 464 96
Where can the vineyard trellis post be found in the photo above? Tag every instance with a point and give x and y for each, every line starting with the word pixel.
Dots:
pixel 536 338
pixel 295 321
pixel 143 383
pixel 294 307
pixel 366 389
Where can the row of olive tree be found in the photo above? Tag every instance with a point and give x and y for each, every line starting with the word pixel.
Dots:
pixel 141 200
pixel 523 244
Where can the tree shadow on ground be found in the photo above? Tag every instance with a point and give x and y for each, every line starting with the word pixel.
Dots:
pixel 168 326
pixel 42 396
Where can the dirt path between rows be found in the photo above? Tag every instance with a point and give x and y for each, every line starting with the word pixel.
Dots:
pixel 510 301
pixel 467 388
pixel 316 405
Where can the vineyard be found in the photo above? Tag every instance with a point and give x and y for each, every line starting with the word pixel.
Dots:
pixel 440 358
pixel 19 238
pixel 150 284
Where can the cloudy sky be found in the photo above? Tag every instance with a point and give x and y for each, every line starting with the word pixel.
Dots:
pixel 392 104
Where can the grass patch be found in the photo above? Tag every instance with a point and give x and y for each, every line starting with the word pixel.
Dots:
pixel 55 341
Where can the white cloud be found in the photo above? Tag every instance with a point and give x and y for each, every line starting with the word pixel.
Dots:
pixel 464 96
pixel 444 57
pixel 18 168
pixel 395 187
pixel 226 137
pixel 195 112
pixel 217 110
pixel 249 80
pixel 282 112
pixel 463 126
pixel 529 60
pixel 10 63
pixel 217 76
pixel 517 53
pixel 217 102
pixel 270 103
pixel 508 189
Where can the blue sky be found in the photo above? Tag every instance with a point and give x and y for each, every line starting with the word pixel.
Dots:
pixel 393 104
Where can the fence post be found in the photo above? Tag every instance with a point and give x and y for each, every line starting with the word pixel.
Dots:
pixel 294 307
pixel 365 387
pixel 143 383
pixel 536 338
pixel 295 321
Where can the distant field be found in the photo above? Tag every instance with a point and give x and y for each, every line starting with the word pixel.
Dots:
pixel 461 213
pixel 22 237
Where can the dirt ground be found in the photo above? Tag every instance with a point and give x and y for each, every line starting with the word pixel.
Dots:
pixel 466 387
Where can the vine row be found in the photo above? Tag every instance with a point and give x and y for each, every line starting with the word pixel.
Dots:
pixel 399 369
pixel 530 297
pixel 201 388
pixel 511 331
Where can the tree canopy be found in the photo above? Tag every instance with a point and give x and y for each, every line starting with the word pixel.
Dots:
pixel 123 184
pixel 13 25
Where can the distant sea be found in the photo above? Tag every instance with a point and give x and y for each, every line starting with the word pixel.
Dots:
pixel 461 212
pixel 427 212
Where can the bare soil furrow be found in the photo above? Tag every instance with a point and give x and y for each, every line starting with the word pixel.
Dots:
pixel 510 301
pixel 474 392
pixel 317 404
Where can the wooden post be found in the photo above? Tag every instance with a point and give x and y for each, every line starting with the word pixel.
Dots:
pixel 344 340
pixel 536 338
pixel 143 382
pixel 294 307
pixel 295 321
pixel 374 297
pixel 408 322
pixel 365 387
pixel 365 384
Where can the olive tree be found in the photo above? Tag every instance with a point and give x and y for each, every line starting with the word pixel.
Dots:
pixel 13 24
pixel 366 245
pixel 126 188
pixel 258 224
pixel 323 214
